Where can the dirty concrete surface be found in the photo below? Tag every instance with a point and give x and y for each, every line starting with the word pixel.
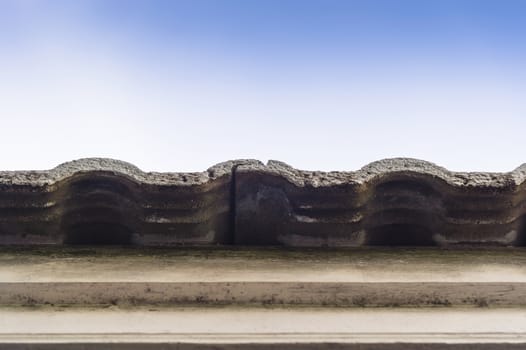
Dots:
pixel 392 202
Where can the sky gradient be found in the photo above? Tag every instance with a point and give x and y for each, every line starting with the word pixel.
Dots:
pixel 321 85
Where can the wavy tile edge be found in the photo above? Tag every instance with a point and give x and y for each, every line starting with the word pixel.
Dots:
pixel 271 203
pixel 296 176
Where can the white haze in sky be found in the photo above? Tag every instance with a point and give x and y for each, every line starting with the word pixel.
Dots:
pixel 73 87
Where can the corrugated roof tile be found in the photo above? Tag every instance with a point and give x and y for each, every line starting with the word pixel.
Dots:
pixel 389 202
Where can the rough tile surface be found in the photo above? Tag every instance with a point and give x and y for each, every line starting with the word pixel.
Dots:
pixel 389 202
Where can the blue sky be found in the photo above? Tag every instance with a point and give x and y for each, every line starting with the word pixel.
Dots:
pixel 329 85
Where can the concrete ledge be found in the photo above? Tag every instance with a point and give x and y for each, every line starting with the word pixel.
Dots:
pixel 194 299
pixel 240 328
pixel 352 277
